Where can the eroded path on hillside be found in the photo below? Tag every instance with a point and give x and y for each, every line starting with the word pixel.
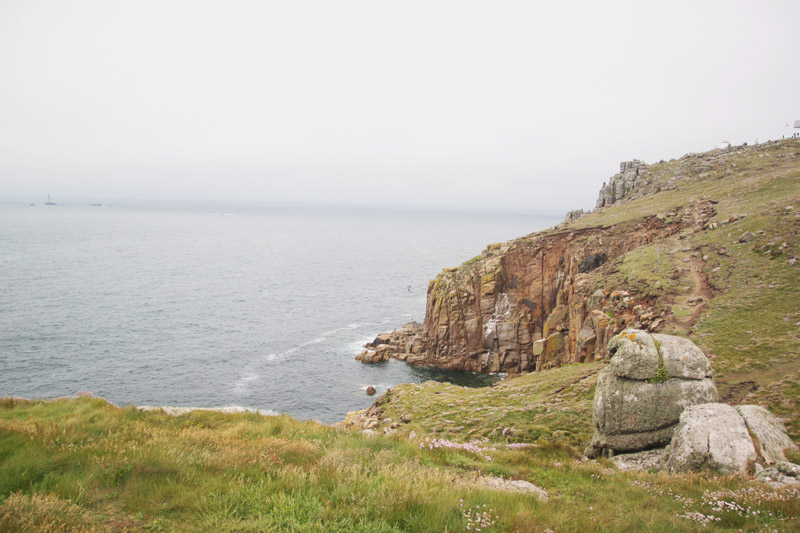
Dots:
pixel 690 302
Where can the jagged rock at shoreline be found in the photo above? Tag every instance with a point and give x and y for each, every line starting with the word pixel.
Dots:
pixel 403 343
pixel 641 394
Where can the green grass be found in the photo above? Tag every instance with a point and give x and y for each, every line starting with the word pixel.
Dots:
pixel 84 465
pixel 534 406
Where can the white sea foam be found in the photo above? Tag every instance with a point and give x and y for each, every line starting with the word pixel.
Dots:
pixel 358 346
pixel 178 411
pixel 241 385
pixel 379 387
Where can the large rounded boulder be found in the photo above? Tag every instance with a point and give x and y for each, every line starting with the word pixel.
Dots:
pixel 639 398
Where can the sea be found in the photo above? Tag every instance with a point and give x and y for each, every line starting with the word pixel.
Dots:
pixel 261 307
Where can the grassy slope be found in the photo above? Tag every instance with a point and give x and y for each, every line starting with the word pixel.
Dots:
pixel 751 327
pixel 85 464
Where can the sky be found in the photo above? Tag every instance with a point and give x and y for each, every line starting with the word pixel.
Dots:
pixel 526 106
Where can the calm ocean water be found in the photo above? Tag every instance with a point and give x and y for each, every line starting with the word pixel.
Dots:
pixel 262 308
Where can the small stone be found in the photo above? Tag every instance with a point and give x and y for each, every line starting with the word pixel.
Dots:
pixel 406 418
pixel 371 390
pixel 517 485
pixel 747 236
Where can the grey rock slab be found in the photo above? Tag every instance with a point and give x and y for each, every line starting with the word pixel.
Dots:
pixel 602 443
pixel 515 485
pixel 640 460
pixel 713 436
pixel 772 439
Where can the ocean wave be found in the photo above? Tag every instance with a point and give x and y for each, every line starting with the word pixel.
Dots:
pixel 241 385
pixel 357 347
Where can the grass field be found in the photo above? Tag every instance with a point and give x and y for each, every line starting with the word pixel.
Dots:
pixel 85 465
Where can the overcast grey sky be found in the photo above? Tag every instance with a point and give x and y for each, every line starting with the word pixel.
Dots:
pixel 528 105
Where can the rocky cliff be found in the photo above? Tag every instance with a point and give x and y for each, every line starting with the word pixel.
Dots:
pixel 639 260
pixel 539 302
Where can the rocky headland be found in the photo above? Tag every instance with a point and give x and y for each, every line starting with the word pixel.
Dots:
pixel 540 301
pixel 660 245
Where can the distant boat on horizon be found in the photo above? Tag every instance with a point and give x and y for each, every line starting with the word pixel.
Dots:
pixel 48 202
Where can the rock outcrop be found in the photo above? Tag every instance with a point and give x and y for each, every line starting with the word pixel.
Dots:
pixel 515 485
pixel 640 396
pixel 535 303
pixel 631 176
pixel 573 215
pixel 404 344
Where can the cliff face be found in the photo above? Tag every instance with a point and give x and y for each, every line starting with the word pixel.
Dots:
pixel 651 256
pixel 539 302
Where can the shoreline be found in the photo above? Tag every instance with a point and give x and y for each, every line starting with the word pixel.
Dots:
pixel 169 410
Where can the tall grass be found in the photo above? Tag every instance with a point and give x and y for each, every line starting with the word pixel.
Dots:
pixel 84 465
